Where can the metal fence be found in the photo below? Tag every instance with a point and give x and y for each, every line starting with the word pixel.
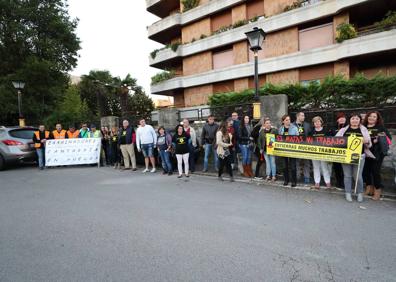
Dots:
pixel 219 112
pixel 388 114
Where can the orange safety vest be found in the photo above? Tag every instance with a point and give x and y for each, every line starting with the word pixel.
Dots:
pixel 37 133
pixel 59 135
pixel 73 135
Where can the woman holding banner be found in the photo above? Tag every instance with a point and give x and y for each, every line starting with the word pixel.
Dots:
pixel 355 171
pixel 270 165
pixel 320 167
pixel 290 163
pixel 380 137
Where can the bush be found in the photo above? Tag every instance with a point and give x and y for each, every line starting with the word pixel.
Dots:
pixel 388 21
pixel 162 76
pixel 174 46
pixel 153 54
pixel 189 4
pixel 333 92
pixel 345 31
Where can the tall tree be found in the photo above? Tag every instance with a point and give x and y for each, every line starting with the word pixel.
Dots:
pixel 38 45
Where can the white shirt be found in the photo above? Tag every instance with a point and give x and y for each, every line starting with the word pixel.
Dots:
pixel 145 135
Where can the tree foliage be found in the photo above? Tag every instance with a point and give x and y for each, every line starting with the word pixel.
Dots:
pixel 38 45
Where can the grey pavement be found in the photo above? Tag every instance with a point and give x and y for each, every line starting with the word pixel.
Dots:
pixel 99 224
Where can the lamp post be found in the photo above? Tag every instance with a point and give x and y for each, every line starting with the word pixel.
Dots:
pixel 19 85
pixel 256 38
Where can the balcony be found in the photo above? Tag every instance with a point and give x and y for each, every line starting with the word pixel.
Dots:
pixel 284 20
pixel 162 8
pixel 172 24
pixel 370 44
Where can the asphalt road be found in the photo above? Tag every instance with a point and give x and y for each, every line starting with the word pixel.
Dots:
pixel 91 224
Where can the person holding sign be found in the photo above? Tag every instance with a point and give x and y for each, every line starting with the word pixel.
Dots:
pixel 355 128
pixel 84 131
pixel 270 165
pixel 380 137
pixel 59 133
pixel 304 129
pixel 290 163
pixel 320 167
pixel 72 132
pixel 39 138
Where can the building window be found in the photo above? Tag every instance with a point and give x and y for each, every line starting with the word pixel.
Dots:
pixel 222 59
pixel 315 73
pixel 317 36
pixel 254 9
pixel 221 20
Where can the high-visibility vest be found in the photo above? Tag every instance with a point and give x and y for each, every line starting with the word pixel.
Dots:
pixel 59 135
pixel 37 133
pixel 73 134
pixel 95 134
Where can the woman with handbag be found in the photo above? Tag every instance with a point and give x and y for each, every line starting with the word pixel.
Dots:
pixel 380 137
pixel 224 142
pixel 164 145
pixel 245 145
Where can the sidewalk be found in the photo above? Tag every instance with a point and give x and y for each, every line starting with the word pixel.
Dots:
pixel 279 183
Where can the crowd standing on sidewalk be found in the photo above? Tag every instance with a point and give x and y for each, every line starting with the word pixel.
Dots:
pixel 237 139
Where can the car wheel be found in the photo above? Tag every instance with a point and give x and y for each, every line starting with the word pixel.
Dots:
pixel 2 163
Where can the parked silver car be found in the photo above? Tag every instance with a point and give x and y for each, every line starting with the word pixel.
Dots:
pixel 16 145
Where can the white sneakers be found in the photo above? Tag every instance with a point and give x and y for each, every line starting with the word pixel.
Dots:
pixel 348 197
pixel 147 170
pixel 153 170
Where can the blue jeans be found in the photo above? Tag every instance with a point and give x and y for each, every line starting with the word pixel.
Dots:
pixel 210 148
pixel 41 156
pixel 147 150
pixel 165 159
pixel 246 154
pixel 270 166
pixel 352 172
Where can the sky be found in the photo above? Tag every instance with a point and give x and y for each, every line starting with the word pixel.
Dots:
pixel 113 37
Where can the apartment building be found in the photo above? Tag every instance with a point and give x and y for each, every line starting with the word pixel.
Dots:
pixel 207 50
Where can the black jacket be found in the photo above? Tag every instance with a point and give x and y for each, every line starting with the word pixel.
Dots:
pixel 208 135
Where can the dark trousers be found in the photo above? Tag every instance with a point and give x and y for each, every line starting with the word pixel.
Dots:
pixel 114 154
pixel 339 175
pixel 290 164
pixel 372 172
pixel 260 161
pixel 226 162
pixel 191 157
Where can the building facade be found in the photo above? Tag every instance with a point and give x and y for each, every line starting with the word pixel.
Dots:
pixel 207 51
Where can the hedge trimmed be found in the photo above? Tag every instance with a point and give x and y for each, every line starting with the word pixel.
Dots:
pixel 333 92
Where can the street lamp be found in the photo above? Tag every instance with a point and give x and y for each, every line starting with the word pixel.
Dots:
pixel 19 85
pixel 256 38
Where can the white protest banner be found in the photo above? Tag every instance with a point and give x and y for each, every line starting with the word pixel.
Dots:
pixel 72 151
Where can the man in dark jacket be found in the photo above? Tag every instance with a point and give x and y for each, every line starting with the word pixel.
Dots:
pixel 304 128
pixel 236 124
pixel 126 140
pixel 208 140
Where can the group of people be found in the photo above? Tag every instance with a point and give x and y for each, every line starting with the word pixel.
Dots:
pixel 234 137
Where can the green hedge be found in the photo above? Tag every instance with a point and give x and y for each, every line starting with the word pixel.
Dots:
pixel 333 92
